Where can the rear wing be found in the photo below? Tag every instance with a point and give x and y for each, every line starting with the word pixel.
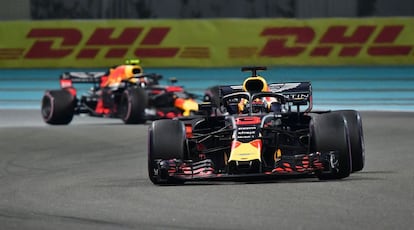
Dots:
pixel 295 93
pixel 68 78
pixel 82 77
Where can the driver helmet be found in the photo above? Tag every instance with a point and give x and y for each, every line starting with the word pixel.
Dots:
pixel 132 68
pixel 255 84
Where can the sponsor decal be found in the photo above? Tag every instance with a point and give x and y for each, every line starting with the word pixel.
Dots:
pixel 62 42
pixel 351 41
pixel 208 43
pixel 279 42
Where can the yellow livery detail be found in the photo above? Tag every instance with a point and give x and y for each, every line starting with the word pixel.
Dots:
pixel 246 151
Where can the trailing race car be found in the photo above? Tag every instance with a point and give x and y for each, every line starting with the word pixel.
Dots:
pixel 256 129
pixel 124 92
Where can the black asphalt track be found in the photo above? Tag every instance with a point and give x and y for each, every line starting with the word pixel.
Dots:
pixel 92 174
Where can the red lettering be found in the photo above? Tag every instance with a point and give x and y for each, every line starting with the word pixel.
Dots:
pixel 276 47
pixel 88 53
pixel 350 51
pixel 155 36
pixel 388 35
pixel 156 52
pixel 116 53
pixel 195 52
pixel 321 51
pixel 336 34
pixel 112 53
pixel 389 50
pixel 104 37
pixel 44 48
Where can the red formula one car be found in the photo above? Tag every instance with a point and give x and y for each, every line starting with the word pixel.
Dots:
pixel 125 93
pixel 257 130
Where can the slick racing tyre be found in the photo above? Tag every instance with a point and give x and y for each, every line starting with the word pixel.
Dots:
pixel 132 106
pixel 356 136
pixel 58 107
pixel 167 141
pixel 329 132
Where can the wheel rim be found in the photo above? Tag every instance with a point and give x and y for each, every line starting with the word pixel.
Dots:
pixel 46 108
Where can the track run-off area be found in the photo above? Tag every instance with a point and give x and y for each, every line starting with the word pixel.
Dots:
pixel 361 88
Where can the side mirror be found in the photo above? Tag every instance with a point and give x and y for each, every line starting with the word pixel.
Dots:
pixel 173 80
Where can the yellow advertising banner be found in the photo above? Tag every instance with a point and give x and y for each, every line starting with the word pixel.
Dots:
pixel 207 43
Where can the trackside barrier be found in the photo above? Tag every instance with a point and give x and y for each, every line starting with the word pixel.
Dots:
pixel 207 43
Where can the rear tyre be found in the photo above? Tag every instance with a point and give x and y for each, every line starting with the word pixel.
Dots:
pixel 329 132
pixel 356 136
pixel 58 107
pixel 132 106
pixel 167 141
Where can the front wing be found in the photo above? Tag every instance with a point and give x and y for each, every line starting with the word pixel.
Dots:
pixel 303 164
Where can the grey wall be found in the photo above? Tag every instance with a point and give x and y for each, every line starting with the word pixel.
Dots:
pixel 99 9
pixel 15 9
pixel 326 8
pixel 391 8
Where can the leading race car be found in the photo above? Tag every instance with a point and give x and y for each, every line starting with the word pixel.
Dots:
pixel 256 129
pixel 123 92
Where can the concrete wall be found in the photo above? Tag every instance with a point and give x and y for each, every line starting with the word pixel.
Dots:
pixel 398 7
pixel 99 9
pixel 324 8
pixel 15 10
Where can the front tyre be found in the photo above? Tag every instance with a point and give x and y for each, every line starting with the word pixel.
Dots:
pixel 329 132
pixel 166 141
pixel 132 106
pixel 58 107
